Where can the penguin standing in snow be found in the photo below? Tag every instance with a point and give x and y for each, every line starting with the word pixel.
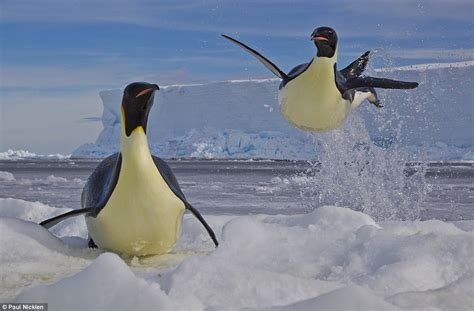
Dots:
pixel 315 96
pixel 132 202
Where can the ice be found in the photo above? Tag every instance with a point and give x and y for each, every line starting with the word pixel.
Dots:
pixel 16 154
pixel 37 212
pixel 330 258
pixel 351 297
pixel 31 211
pixel 106 283
pixel 460 290
pixel 30 255
pixel 25 154
pixel 6 176
pixel 241 119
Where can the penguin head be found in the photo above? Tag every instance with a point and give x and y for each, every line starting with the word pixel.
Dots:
pixel 325 39
pixel 136 104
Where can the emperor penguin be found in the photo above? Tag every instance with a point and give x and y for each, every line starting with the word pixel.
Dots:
pixel 316 96
pixel 132 202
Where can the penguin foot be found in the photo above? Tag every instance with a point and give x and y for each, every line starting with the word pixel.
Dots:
pixel 373 98
pixel 377 103
pixel 91 244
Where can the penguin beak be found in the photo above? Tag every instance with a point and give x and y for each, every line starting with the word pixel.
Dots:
pixel 318 38
pixel 146 91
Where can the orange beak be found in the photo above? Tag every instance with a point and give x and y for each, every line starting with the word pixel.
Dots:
pixel 145 91
pixel 320 38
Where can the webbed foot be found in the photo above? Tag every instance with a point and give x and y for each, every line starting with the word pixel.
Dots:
pixel 91 244
pixel 377 103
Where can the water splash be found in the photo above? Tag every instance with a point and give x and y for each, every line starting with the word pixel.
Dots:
pixel 368 174
pixel 379 58
pixel 352 171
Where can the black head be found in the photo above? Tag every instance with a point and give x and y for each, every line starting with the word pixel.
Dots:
pixel 136 104
pixel 325 39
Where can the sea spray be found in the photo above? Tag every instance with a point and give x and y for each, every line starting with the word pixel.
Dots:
pixel 353 171
pixel 368 172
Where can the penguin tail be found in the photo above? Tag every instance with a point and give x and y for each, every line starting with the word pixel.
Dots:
pixel 265 61
pixel 48 223
pixel 381 83
pixel 198 215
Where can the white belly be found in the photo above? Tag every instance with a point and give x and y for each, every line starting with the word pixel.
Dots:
pixel 143 216
pixel 312 101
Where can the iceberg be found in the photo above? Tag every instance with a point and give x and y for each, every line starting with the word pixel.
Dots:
pixel 241 118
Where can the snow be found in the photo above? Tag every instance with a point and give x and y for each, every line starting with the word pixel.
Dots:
pixel 241 119
pixel 117 289
pixel 330 258
pixel 31 211
pixel 351 297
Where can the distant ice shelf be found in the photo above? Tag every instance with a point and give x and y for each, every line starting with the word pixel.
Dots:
pixel 241 119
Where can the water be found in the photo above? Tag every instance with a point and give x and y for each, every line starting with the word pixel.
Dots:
pixel 353 171
pixel 242 187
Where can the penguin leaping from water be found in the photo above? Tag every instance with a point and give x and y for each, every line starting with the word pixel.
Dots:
pixel 316 96
pixel 132 202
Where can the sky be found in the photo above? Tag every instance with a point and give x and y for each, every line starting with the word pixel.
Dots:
pixel 56 55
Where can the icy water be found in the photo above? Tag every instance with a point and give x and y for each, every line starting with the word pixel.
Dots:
pixel 234 187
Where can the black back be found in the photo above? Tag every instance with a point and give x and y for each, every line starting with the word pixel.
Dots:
pixel 295 72
pixel 169 178
pixel 355 69
pixel 101 183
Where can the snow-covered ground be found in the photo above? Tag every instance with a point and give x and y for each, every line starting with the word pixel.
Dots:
pixel 241 119
pixel 332 258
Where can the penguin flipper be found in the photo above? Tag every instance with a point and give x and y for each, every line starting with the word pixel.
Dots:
pixel 48 223
pixel 357 82
pixel 357 67
pixel 169 177
pixel 265 61
pixel 172 182
pixel 198 215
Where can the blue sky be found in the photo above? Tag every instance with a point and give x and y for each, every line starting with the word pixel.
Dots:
pixel 57 55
